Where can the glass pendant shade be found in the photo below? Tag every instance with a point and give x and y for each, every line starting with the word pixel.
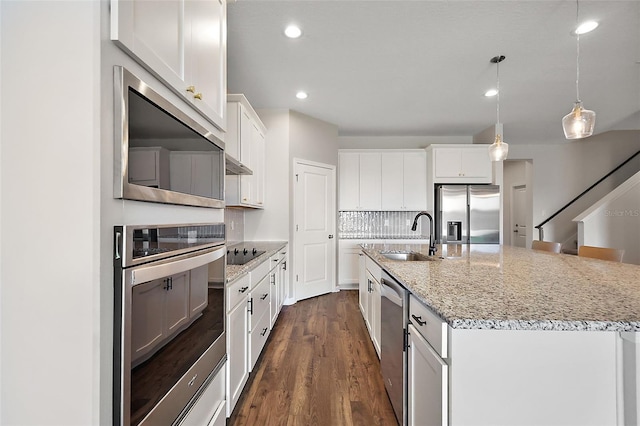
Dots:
pixel 498 150
pixel 579 123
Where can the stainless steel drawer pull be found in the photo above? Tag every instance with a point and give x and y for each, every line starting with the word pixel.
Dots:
pixel 418 320
pixel 192 381
pixel 243 289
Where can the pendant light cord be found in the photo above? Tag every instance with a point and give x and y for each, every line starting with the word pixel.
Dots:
pixel 498 90
pixel 577 53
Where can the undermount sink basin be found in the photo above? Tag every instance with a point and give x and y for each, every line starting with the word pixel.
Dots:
pixel 408 256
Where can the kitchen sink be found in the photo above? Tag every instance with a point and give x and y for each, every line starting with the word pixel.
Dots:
pixel 410 256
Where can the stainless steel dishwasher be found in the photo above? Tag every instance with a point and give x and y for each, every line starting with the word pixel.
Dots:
pixel 392 354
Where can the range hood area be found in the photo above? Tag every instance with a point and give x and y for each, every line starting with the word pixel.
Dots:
pixel 234 167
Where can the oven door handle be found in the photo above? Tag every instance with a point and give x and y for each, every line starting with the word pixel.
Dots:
pixel 150 272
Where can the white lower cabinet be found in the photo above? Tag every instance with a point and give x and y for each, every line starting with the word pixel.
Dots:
pixel 253 304
pixel 237 340
pixel 486 377
pixel 208 410
pixel 370 298
pixel 427 376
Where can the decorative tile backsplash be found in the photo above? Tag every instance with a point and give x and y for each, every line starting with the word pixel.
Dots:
pixel 383 225
pixel 234 221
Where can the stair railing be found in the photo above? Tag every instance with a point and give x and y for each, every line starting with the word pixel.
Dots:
pixel 539 227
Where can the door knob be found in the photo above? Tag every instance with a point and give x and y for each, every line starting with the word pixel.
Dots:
pixel 330 236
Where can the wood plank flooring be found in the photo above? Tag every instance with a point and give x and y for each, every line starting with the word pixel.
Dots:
pixel 319 367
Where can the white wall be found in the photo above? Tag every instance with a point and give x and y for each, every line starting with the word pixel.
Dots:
pixel 563 170
pixel 50 199
pixel 117 212
pixel 313 139
pixel 515 174
pixel 57 210
pixel 615 222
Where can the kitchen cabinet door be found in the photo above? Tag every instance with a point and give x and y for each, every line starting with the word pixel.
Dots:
pixel 427 385
pixel 237 354
pixel 392 181
pixel 404 181
pixel 349 181
pixel 375 317
pixel 468 164
pixel 475 163
pixel 247 139
pixel 415 181
pixel 363 286
pixel 348 263
pixel 274 282
pixel 370 181
pixel 183 42
pixel 206 56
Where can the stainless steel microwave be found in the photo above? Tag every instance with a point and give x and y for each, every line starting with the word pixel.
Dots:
pixel 162 155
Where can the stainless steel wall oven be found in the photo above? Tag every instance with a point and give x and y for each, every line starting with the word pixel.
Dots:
pixel 169 332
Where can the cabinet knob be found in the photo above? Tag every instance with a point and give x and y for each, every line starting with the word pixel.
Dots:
pixel 191 89
pixel 197 96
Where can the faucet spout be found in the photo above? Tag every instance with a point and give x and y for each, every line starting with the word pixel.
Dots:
pixel 432 244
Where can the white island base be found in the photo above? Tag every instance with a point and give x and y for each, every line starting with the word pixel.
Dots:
pixel 527 377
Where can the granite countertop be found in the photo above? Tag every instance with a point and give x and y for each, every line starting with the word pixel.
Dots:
pixel 503 287
pixel 233 272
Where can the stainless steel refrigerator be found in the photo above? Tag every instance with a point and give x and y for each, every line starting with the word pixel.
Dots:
pixel 467 214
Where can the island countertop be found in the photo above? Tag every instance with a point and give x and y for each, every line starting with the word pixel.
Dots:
pixel 502 287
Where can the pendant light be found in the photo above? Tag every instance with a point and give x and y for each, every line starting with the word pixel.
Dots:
pixel 498 150
pixel 579 123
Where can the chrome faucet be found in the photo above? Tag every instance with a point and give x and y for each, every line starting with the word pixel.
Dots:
pixel 432 245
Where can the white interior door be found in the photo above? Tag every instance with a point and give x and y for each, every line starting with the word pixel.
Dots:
pixel 314 233
pixel 519 215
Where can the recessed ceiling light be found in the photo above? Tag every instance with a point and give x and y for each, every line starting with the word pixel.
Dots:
pixel 586 27
pixel 292 31
pixel 301 95
pixel 490 92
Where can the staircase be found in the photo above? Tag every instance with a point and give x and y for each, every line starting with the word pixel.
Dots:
pixel 561 223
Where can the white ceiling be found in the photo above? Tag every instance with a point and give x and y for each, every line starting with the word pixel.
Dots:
pixel 420 68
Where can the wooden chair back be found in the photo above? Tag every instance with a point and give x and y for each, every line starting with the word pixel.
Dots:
pixel 603 253
pixel 546 246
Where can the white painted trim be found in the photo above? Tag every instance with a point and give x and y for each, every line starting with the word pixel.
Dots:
pixel 616 193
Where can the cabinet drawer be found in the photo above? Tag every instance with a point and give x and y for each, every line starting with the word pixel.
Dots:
pixel 257 339
pixel 237 291
pixel 259 272
pixel 430 326
pixel 209 403
pixel 259 301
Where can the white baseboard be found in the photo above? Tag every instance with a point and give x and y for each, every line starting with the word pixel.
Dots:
pixel 289 301
pixel 351 286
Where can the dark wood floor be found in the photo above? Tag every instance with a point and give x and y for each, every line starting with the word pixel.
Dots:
pixel 319 367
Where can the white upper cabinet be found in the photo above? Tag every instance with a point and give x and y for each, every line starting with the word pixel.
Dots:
pixel 370 181
pixel 183 42
pixel 404 180
pixel 360 176
pixel 389 180
pixel 460 164
pixel 245 141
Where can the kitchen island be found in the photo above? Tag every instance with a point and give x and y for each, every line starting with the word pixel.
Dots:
pixel 529 337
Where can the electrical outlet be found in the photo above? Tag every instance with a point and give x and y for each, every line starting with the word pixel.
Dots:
pixel 408 222
pixel 386 222
pixel 233 225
